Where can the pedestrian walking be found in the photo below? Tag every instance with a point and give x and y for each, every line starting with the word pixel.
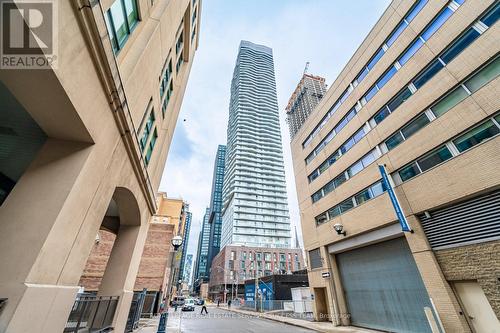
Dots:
pixel 218 302
pixel 203 307
pixel 229 303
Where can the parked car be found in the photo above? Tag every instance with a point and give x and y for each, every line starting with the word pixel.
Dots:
pixel 178 301
pixel 188 305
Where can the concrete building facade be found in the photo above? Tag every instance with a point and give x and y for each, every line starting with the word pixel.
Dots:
pixel 255 207
pixel 304 99
pixel 215 219
pixel 86 144
pixel 236 263
pixel 419 97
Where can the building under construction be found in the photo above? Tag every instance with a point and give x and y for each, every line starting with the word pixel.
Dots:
pixel 304 99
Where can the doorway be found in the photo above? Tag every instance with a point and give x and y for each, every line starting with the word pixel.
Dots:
pixel 477 309
pixel 321 301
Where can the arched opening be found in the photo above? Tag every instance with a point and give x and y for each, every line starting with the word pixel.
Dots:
pixel 108 278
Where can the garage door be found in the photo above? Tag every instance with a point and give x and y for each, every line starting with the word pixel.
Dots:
pixel 383 288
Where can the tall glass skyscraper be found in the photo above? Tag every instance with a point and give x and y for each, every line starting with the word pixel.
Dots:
pixel 255 208
pixel 215 219
pixel 201 269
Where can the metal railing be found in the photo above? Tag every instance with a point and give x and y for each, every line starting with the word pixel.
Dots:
pixel 91 313
pixel 134 314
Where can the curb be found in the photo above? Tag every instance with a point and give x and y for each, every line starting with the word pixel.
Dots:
pixel 307 324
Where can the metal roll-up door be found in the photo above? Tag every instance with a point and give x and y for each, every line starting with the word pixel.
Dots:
pixel 383 288
pixel 473 221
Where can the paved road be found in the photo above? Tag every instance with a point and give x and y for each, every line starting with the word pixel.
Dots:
pixel 222 321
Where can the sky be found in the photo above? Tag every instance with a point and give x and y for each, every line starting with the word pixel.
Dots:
pixel 325 33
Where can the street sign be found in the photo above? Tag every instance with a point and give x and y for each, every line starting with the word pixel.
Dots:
pixel 325 274
pixel 394 200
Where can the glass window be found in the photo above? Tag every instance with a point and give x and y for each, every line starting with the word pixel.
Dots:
pixel 399 99
pixel 408 172
pixel 153 139
pixel 415 125
pixel 377 189
pixel 319 220
pixel 460 2
pixel 452 99
pixel 375 58
pixel 346 205
pixel 386 77
pixel 340 179
pixel 363 196
pixel 369 95
pixel 396 33
pixel 330 186
pixel 410 51
pixel 348 145
pixel 341 124
pixel 344 96
pixel 117 16
pixel 381 115
pixel 437 23
pixel 428 73
pixel 323 167
pixel 329 137
pixel 394 140
pixel 411 15
pixel 355 168
pixel 459 45
pixel 476 136
pixel 434 158
pixel 314 175
pixel 359 135
pixel 484 76
pixel 334 211
pixel 111 32
pixel 492 16
pixel 334 157
pixel 131 11
pixel 368 159
pixel 147 158
pixel 362 75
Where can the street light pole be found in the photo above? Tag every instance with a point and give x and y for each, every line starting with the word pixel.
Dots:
pixel 176 243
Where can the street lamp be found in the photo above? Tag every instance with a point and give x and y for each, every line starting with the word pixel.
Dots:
pixel 176 242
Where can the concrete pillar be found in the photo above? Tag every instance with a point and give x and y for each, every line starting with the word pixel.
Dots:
pixel 437 287
pixel 121 270
pixel 342 310
pixel 34 213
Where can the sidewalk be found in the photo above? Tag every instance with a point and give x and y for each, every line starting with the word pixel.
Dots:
pixel 326 327
pixel 151 325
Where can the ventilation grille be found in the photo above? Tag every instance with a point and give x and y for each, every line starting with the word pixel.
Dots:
pixel 315 258
pixel 473 221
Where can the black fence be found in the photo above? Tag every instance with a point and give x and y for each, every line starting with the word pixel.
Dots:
pixel 92 313
pixel 135 311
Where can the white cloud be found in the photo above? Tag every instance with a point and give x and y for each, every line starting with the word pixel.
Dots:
pixel 325 33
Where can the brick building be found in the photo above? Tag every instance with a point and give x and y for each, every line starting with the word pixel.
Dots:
pixel 236 263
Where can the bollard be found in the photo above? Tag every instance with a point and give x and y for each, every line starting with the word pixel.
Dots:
pixel 162 325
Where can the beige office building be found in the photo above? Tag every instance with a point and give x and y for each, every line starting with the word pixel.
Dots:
pixel 83 147
pixel 420 97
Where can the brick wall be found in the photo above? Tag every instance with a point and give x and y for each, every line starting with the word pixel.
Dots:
pixel 97 261
pixel 153 271
pixel 479 262
pixel 155 257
